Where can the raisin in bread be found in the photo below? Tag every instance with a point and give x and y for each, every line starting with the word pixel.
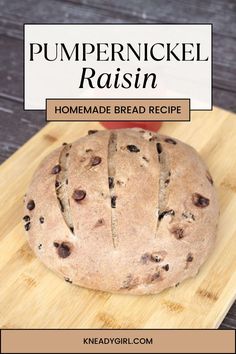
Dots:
pixel 125 211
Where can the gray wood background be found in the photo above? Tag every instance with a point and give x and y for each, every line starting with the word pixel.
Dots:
pixel 17 126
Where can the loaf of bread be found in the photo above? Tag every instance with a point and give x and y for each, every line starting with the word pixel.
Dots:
pixel 127 211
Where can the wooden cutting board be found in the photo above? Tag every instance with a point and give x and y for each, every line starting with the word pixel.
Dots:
pixel 33 297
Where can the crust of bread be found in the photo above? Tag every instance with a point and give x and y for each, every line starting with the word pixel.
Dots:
pixel 150 237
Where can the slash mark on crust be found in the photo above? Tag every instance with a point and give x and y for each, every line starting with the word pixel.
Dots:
pixel 112 148
pixel 163 177
pixel 61 186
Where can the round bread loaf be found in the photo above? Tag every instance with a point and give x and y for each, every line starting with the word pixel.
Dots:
pixel 126 211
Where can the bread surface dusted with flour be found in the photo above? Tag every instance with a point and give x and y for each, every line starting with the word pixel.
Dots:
pixel 127 211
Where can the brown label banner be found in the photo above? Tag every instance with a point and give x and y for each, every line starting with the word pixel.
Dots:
pixel 118 110
pixel 117 341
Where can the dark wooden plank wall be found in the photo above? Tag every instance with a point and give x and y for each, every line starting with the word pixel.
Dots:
pixel 17 126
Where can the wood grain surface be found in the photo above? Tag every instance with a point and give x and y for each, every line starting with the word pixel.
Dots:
pixel 31 296
pixel 17 126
